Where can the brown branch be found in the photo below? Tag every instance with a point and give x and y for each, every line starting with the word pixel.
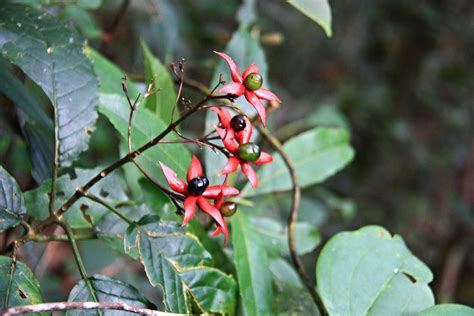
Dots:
pixel 61 306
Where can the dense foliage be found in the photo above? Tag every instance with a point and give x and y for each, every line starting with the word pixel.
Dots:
pixel 176 188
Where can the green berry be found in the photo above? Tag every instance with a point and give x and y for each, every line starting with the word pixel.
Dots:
pixel 253 81
pixel 228 209
pixel 249 152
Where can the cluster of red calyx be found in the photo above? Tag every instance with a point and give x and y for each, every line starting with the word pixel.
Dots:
pixel 235 133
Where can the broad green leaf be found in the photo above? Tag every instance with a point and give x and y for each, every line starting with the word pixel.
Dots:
pixel 107 290
pixel 290 297
pixel 35 124
pixel 316 155
pixel 251 262
pixel 275 239
pixel 18 285
pixel 246 15
pixel 162 101
pixel 12 203
pixel 370 272
pixel 85 211
pixel 448 309
pixel 317 10
pixel 50 52
pixel 82 20
pixel 145 127
pixel 180 264
pixel 244 49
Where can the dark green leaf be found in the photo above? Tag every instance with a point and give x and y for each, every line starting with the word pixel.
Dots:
pixel 370 272
pixel 448 309
pixel 82 213
pixel 316 154
pixel 317 10
pixel 179 263
pixel 18 285
pixel 163 100
pixel 35 124
pixel 12 203
pixel 107 290
pixel 251 262
pixel 50 52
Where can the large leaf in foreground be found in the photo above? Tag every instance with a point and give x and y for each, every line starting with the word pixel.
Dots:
pixel 370 272
pixel 18 285
pixel 50 52
pixel 448 309
pixel 12 203
pixel 107 290
pixel 180 264
pixel 316 155
pixel 251 262
pixel 317 10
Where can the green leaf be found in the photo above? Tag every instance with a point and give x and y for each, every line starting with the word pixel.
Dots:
pixel 12 203
pixel 82 20
pixel 317 10
pixel 145 127
pixel 18 285
pixel 244 49
pixel 275 239
pixel 107 290
pixel 164 99
pixel 251 262
pixel 316 154
pixel 370 272
pixel 50 52
pixel 290 296
pixel 84 212
pixel 35 124
pixel 180 264
pixel 448 309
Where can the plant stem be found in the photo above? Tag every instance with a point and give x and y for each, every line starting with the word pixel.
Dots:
pixel 61 306
pixel 78 258
pixel 295 203
pixel 100 201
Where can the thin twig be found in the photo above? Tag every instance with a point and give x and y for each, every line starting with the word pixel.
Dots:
pixel 61 306
pixel 87 235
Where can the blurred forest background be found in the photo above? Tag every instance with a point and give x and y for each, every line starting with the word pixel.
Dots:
pixel 398 74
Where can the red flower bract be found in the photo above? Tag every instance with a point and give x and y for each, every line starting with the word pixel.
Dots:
pixel 193 196
pixel 232 141
pixel 237 87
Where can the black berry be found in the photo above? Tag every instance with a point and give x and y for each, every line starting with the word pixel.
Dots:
pixel 197 186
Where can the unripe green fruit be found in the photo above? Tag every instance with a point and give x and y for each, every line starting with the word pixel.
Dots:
pixel 228 209
pixel 249 152
pixel 253 81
